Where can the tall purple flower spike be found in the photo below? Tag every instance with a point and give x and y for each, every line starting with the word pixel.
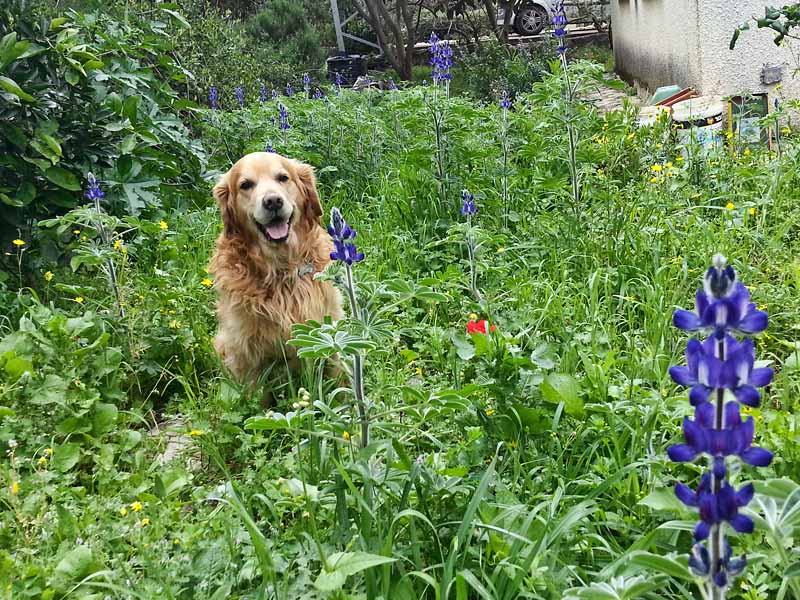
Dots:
pixel 715 368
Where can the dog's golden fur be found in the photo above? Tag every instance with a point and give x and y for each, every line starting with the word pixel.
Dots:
pixel 266 286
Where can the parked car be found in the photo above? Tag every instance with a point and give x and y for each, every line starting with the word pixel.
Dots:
pixel 533 16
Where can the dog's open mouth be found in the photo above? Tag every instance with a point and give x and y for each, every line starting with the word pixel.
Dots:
pixel 276 230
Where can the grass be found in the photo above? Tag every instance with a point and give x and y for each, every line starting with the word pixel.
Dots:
pixel 519 464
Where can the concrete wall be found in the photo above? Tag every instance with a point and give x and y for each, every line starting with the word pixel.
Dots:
pixel 685 42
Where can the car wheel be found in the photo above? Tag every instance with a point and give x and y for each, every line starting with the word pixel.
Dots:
pixel 531 20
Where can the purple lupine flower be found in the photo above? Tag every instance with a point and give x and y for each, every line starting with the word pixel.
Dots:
pixel 441 59
pixel 720 363
pixel 505 101
pixel 344 250
pixel 239 91
pixel 274 94
pixel 283 117
pixel 560 27
pixel 289 90
pixel 213 97
pixel 306 82
pixel 268 148
pixel 338 79
pixel 392 84
pixel 93 190
pixel 468 207
pixel 262 94
pixel 317 94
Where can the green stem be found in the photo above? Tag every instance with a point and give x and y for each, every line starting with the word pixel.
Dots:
pixel 358 364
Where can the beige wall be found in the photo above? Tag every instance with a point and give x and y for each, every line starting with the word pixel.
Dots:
pixel 685 42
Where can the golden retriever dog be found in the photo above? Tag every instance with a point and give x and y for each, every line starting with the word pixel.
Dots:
pixel 264 266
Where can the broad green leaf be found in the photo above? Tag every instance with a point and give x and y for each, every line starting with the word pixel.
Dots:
pixel 558 387
pixel 66 456
pixel 17 366
pixel 6 412
pixel 661 564
pixel 11 87
pixel 75 566
pixel 344 564
pixel 105 417
pixel 63 178
pixel 662 499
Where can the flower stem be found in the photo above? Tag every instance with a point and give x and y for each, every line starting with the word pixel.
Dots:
pixel 358 364
pixel 717 532
pixel 572 138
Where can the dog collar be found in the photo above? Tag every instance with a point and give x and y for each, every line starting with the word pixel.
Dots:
pixel 306 269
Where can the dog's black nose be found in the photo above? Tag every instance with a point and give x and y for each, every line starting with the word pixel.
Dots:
pixel 273 203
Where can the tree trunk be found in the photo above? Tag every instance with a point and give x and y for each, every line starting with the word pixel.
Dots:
pixel 394 26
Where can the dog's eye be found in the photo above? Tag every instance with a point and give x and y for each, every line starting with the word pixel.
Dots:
pixel 246 184
pixel 283 178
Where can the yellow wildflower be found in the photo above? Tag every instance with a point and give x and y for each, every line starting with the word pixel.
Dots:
pixel 145 522
pixel 489 412
pixel 678 159
pixel 123 511
pixel 786 130
pixel 346 436
pixel 513 444
pixel 76 231
pixel 729 135
pixel 730 206
pixel 751 211
pixel 79 299
pixel 48 276
pixel 631 136
pixel 196 433
pixel 42 460
pixel 136 506
pixel 656 168
pixel 18 243
pixel 654 180
pixel 117 244
pixel 418 371
pixel 473 317
pixel 48 451
pixel 207 282
pixel 747 152
pixel 14 488
pixel 163 225
pixel 174 324
pixel 500 250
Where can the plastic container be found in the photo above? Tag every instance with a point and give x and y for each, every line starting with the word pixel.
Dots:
pixel 350 67
pixel 700 121
pixel 665 92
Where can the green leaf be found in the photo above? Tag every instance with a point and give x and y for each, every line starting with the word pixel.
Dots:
pixel 105 417
pixel 75 566
pixel 344 564
pixel 63 178
pixel 66 456
pixel 558 387
pixel 272 421
pixel 662 499
pixel 793 570
pixel 11 86
pixel 17 366
pixel 661 564
pixel 6 412
pixel 464 348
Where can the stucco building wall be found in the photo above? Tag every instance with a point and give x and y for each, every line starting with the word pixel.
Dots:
pixel 686 42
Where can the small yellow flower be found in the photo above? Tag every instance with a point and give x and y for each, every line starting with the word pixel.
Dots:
pixel 678 159
pixel 630 136
pixel 751 211
pixel 600 172
pixel 145 522
pixel 136 506
pixel 207 282
pixel 513 444
pixel 76 231
pixel 196 433
pixel 418 371
pixel 163 225
pixel 79 299
pixel 656 168
pixel 668 165
pixel 346 436
pixel 729 135
pixel 18 243
pixel 654 180
pixel 500 250
pixel 747 152
pixel 48 276
pixel 489 412
pixel 42 460
pixel 117 244
pixel 14 488
pixel 48 451
pixel 473 317
pixel 786 130
pixel 84 238
pixel 176 541
pixel 123 511
pixel 174 324
pixel 730 206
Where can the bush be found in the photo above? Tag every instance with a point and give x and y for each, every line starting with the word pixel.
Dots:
pixel 492 68
pixel 84 93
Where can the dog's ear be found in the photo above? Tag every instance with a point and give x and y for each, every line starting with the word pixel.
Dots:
pixel 225 198
pixel 308 186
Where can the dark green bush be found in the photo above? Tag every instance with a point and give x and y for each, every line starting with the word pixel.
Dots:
pixel 492 68
pixel 85 92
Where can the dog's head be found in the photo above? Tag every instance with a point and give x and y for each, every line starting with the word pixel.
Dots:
pixel 268 197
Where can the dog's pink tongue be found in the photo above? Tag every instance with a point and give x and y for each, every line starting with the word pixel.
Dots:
pixel 278 230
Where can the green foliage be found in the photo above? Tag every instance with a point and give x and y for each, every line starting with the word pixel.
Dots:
pixel 493 67
pixel 82 93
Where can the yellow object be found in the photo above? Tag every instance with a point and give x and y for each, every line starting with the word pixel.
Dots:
pixel 79 299
pixel 730 206
pixel 207 282
pixel 163 225
pixel 346 436
pixel 136 506
pixel 18 243
pixel 48 276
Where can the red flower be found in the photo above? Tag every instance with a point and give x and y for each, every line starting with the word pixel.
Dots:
pixel 479 326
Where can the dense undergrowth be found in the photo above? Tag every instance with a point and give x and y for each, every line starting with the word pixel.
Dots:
pixel 520 463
